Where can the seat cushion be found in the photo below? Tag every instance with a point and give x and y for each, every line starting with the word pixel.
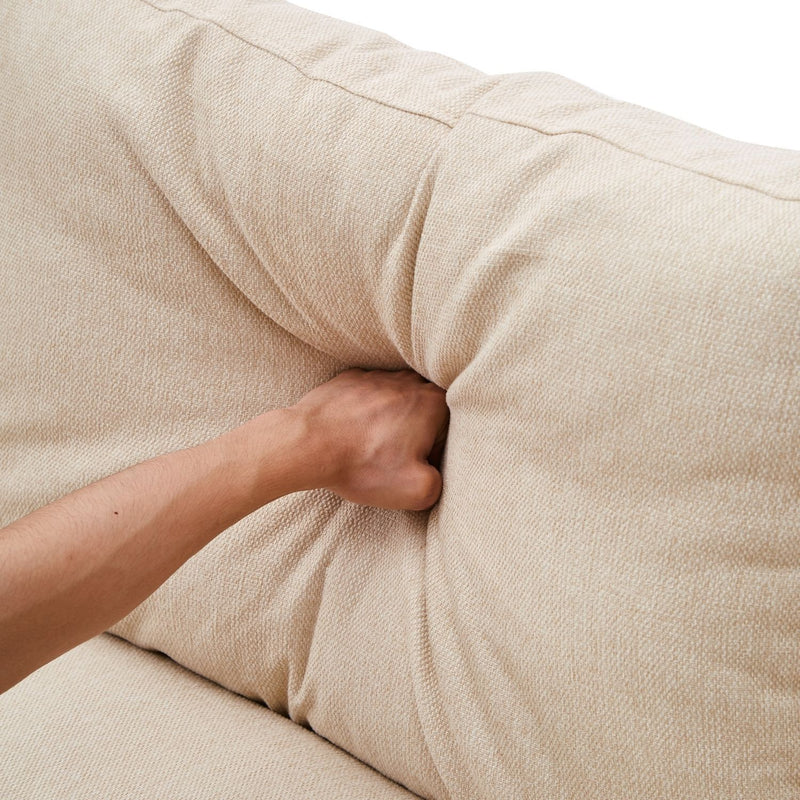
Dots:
pixel 209 208
pixel 111 721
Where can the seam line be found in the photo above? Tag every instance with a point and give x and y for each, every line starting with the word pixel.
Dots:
pixel 303 72
pixel 528 126
pixel 636 153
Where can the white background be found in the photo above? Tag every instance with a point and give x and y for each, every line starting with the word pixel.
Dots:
pixel 732 68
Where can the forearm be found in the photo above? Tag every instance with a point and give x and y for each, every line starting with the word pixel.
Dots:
pixel 70 570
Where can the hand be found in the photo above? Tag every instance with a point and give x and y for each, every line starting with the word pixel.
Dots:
pixel 381 435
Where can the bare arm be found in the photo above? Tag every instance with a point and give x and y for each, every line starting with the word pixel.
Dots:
pixel 73 568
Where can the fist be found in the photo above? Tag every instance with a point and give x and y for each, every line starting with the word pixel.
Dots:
pixel 380 436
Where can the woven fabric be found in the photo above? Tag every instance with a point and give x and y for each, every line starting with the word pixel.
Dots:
pixel 110 721
pixel 209 208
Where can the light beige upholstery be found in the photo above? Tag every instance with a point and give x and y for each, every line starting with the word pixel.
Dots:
pixel 209 208
pixel 110 720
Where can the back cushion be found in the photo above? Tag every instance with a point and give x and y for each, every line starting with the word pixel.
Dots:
pixel 208 208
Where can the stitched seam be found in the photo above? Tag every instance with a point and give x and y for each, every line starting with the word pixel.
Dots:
pixel 303 72
pixel 636 153
pixel 309 76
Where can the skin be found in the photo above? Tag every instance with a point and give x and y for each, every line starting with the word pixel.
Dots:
pixel 70 570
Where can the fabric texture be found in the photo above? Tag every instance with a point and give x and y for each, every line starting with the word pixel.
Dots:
pixel 110 721
pixel 209 208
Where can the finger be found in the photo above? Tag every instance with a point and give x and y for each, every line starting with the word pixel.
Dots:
pixel 435 456
pixel 427 489
pixel 439 425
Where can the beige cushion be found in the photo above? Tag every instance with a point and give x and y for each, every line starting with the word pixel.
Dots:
pixel 109 721
pixel 208 208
